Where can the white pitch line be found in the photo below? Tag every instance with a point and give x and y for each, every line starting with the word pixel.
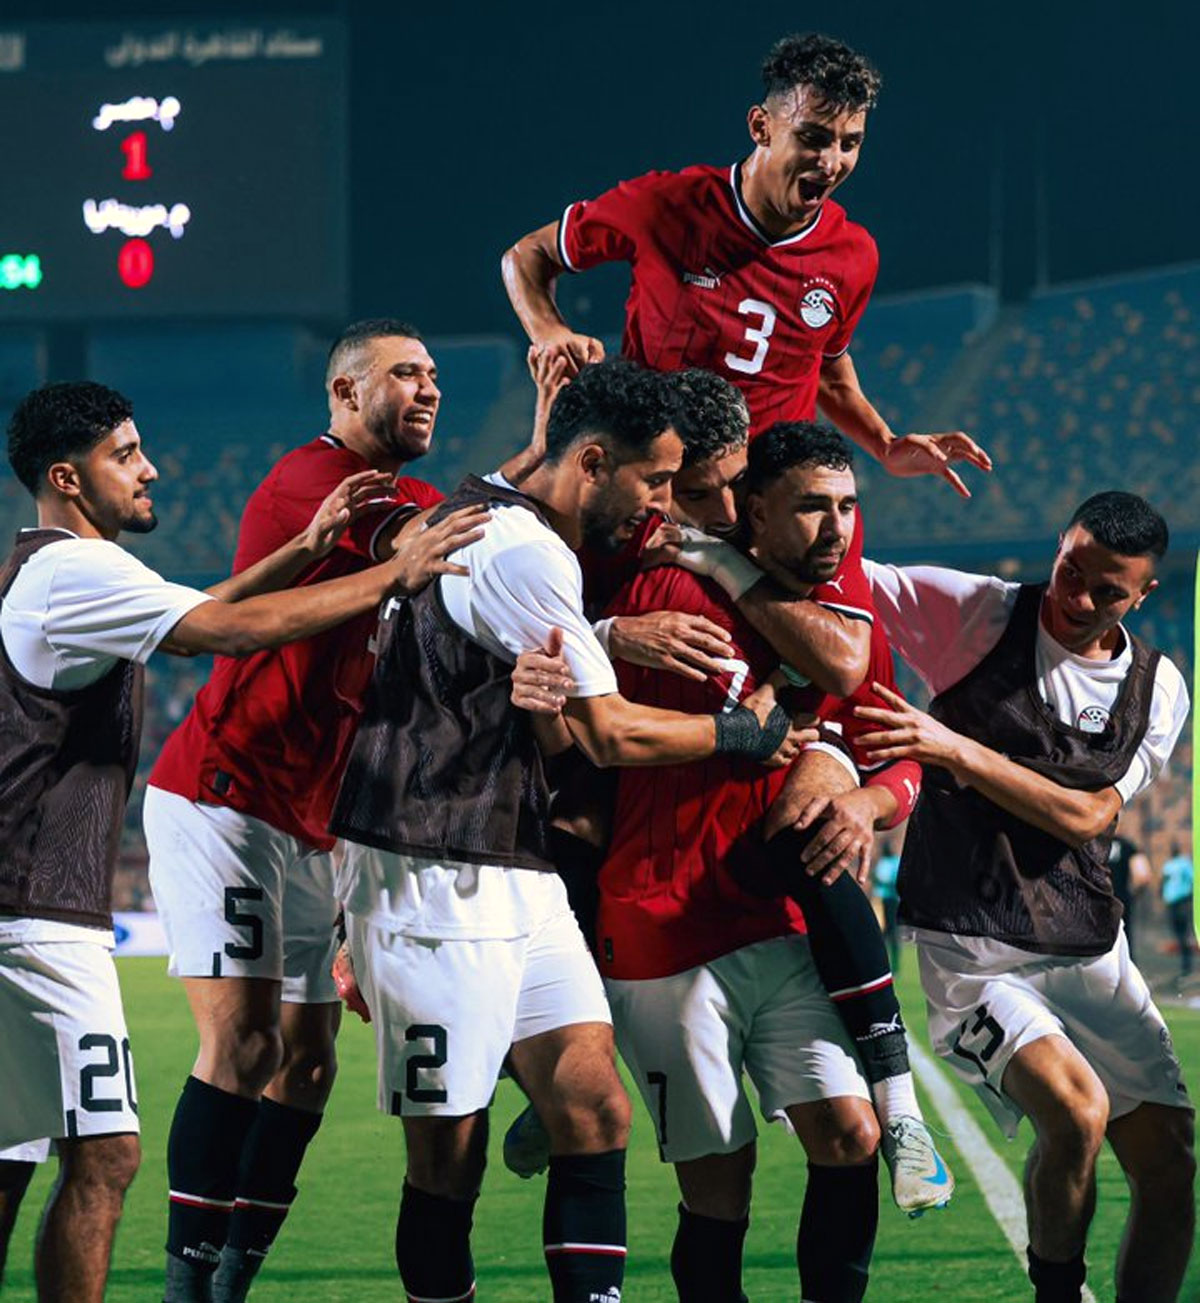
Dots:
pixel 996 1183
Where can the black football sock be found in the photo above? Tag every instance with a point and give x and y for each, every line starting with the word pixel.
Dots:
pixel 1057 1282
pixel 14 1181
pixel 851 958
pixel 433 1246
pixel 583 1226
pixel 204 1151
pixel 837 1232
pixel 706 1258
pixel 578 863
pixel 271 1158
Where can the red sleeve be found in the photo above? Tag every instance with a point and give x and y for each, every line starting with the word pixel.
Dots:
pixel 859 295
pixel 848 592
pixel 903 779
pixel 607 229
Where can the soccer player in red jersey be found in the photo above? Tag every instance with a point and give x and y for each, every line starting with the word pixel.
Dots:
pixel 707 977
pixel 750 270
pixel 236 823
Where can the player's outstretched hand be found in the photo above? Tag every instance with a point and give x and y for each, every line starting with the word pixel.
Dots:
pixel 687 644
pixel 421 554
pixel 542 678
pixel 576 350
pixel 550 372
pixel 933 454
pixel 350 497
pixel 347 984
pixel 905 733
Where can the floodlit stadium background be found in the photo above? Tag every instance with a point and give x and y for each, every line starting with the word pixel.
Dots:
pixel 1028 175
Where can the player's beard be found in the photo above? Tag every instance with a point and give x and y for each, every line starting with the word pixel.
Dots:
pixel 141 524
pixel 600 521
pixel 808 568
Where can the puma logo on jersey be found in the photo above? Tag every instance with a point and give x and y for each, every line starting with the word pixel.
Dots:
pixel 707 279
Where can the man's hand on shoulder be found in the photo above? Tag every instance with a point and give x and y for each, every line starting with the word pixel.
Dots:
pixel 687 644
pixel 562 342
pixel 933 454
pixel 344 505
pixel 421 554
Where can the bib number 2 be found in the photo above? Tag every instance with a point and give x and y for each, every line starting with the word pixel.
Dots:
pixel 757 333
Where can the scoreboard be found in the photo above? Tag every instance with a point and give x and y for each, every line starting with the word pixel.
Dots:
pixel 181 169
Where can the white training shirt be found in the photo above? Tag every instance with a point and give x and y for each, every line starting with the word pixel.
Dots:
pixel 74 609
pixel 78 606
pixel 522 581
pixel 944 622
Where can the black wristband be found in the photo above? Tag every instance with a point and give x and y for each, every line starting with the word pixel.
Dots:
pixel 740 734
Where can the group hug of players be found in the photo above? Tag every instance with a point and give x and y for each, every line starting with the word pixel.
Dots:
pixel 597 744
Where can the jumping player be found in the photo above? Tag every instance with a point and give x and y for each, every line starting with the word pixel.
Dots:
pixel 752 270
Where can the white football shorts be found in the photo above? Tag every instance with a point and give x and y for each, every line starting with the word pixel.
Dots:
pixel 239 898
pixel 987 999
pixel 66 1070
pixel 687 1038
pixel 446 1012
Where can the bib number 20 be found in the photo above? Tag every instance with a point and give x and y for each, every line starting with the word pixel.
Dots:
pixel 758 333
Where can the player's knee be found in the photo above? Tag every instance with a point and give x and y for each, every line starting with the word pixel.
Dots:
pixel 1075 1128
pixel 102 1165
pixel 1169 1170
pixel 254 1055
pixel 309 1071
pixel 846 1138
pixel 614 1117
pixel 593 1120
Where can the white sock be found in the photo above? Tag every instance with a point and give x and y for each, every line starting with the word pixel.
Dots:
pixel 895 1097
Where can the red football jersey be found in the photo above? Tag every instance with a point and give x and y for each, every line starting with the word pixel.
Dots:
pixel 711 289
pixel 683 836
pixel 269 733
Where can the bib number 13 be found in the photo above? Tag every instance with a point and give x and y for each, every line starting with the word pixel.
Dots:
pixel 757 333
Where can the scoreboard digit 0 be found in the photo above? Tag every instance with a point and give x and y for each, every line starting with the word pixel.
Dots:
pixel 182 169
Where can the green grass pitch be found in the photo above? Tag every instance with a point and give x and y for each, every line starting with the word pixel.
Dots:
pixel 337 1245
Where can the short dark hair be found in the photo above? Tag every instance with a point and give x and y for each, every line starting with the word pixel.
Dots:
pixel 345 350
pixel 794 443
pixel 58 422
pixel 618 403
pixel 1123 523
pixel 709 414
pixel 844 79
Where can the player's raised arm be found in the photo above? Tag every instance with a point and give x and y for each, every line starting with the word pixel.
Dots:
pixel 841 398
pixel 530 269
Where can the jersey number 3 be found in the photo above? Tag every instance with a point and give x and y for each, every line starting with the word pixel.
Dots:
pixel 759 335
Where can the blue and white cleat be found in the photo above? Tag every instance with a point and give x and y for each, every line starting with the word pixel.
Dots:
pixel 920 1178
pixel 526 1144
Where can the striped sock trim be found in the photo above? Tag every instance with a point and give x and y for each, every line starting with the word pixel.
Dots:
pixel 199 1201
pixel 849 992
pixel 458 1298
pixel 604 1250
pixel 241 1202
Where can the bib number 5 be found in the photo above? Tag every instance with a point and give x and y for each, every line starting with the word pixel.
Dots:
pixel 758 334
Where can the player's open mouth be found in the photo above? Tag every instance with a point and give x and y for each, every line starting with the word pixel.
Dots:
pixel 424 419
pixel 812 191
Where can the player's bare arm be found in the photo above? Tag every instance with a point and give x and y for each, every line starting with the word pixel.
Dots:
pixel 841 398
pixel 612 731
pixel 530 269
pixel 684 643
pixel 550 371
pixel 827 647
pixel 328 524
pixel 1071 815
pixel 272 619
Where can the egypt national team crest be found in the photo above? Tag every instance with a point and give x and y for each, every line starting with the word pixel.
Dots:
pixel 1092 719
pixel 818 307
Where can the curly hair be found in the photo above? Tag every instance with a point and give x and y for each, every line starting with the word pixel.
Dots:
pixel 1123 523
pixel 795 443
pixel 844 79
pixel 345 353
pixel 58 422
pixel 618 403
pixel 709 414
